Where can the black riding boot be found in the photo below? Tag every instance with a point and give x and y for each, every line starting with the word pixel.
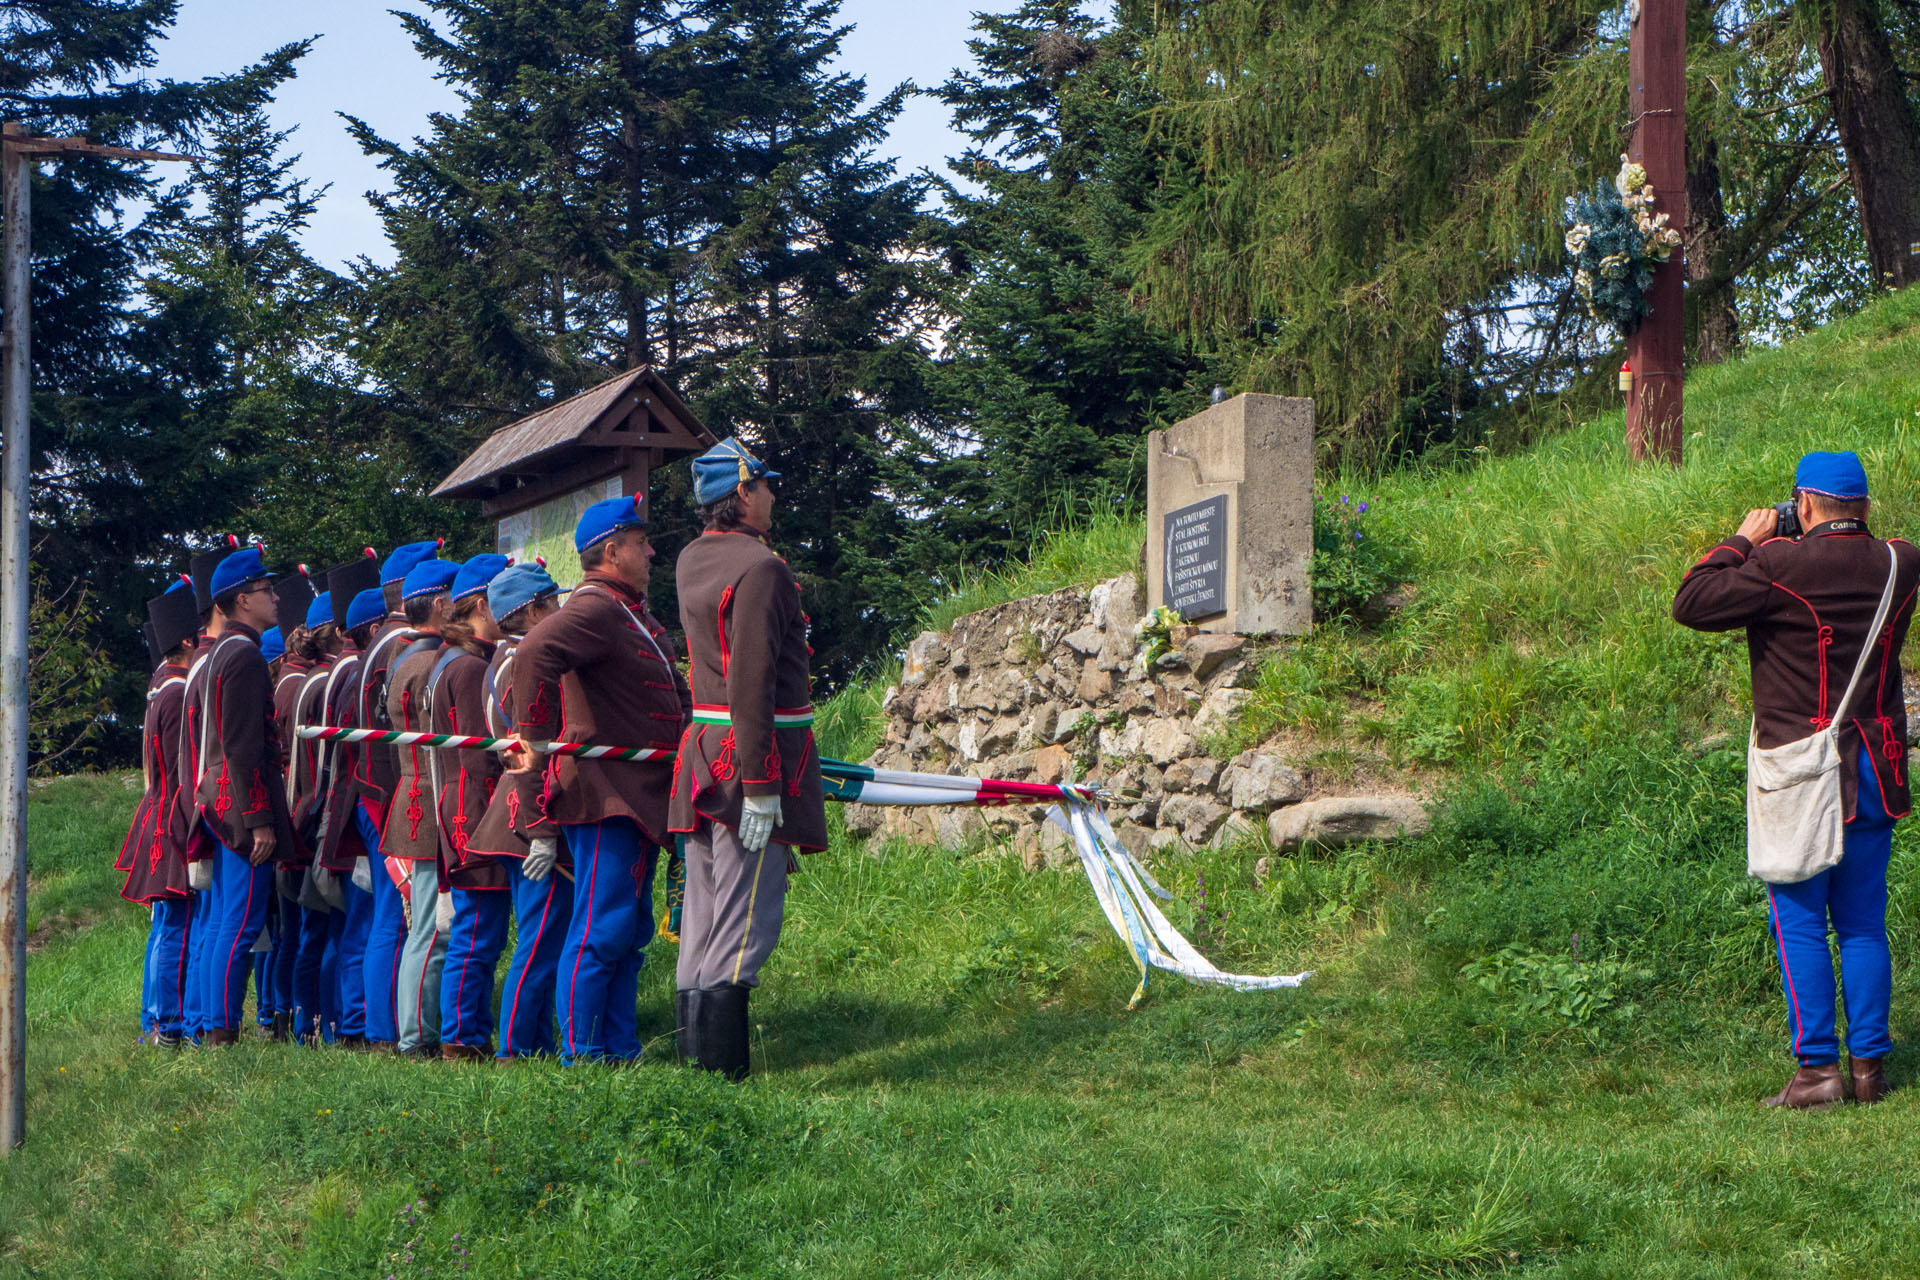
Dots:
pixel 686 1002
pixel 720 1036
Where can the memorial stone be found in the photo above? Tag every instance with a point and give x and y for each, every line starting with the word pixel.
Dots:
pixel 1230 516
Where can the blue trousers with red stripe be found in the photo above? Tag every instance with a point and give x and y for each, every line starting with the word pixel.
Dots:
pixel 273 968
pixel 542 914
pixel 1852 898
pixel 316 978
pixel 193 1012
pixel 163 986
pixel 612 924
pixel 386 938
pixel 236 914
pixel 350 991
pixel 474 944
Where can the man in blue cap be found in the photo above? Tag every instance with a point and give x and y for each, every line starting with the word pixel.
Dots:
pixel 519 599
pixel 600 668
pixel 343 857
pixel 1825 654
pixel 316 1002
pixel 476 884
pixel 412 836
pixel 746 790
pixel 153 860
pixel 238 800
pixel 376 770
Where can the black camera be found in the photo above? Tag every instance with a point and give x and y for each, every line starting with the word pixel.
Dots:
pixel 1789 513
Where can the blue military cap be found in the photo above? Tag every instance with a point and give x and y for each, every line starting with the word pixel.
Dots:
pixel 272 644
pixel 428 578
pixel 320 612
pixel 727 465
pixel 476 573
pixel 237 570
pixel 607 517
pixel 369 606
pixel 1832 475
pixel 517 587
pixel 401 562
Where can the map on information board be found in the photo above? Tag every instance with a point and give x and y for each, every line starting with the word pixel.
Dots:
pixel 547 530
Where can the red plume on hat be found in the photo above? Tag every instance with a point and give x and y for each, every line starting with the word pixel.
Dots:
pixel 370 553
pixel 233 543
pixel 541 561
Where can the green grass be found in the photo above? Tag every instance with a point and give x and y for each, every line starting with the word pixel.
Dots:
pixel 1540 627
pixel 1532 1047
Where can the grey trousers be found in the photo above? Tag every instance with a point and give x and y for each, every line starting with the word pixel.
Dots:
pixel 417 1002
pixel 730 920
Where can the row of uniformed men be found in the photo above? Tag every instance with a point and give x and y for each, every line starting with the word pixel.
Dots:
pixel 367 888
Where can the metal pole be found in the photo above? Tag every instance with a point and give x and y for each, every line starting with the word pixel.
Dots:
pixel 15 462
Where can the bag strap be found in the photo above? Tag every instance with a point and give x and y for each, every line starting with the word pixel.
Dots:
pixel 1866 649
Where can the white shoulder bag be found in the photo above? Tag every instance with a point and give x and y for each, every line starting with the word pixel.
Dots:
pixel 1796 822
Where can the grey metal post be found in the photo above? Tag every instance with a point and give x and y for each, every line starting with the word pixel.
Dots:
pixel 15 461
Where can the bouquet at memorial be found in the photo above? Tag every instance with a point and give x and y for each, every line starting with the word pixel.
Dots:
pixel 1615 241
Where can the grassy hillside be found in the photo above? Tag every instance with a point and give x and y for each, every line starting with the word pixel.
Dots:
pixel 1533 1047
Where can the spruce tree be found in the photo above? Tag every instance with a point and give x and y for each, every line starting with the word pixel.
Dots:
pixel 120 474
pixel 1053 372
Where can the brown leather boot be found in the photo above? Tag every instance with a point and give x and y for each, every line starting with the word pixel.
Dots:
pixel 1811 1089
pixel 462 1053
pixel 220 1037
pixel 1869 1079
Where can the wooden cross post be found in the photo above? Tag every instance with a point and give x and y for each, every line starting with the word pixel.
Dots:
pixel 1657 58
pixel 18 150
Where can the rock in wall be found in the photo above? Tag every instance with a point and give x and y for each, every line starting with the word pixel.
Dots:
pixel 1052 687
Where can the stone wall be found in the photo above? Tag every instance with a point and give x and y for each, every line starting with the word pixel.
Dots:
pixel 1052 687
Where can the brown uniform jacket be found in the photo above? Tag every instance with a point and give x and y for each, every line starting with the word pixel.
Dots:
pixel 498 833
pixel 1806 605
pixel 305 755
pixel 597 671
pixel 153 859
pixel 238 781
pixel 748 658
pixel 467 778
pixel 377 767
pixel 412 831
pixel 339 794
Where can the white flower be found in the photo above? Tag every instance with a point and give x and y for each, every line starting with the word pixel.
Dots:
pixel 1577 238
pixel 1631 179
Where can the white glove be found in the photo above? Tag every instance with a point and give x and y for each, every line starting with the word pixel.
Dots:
pixel 759 815
pixel 200 876
pixel 542 853
pixel 362 874
pixel 443 913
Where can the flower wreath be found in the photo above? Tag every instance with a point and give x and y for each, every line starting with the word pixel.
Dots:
pixel 1616 240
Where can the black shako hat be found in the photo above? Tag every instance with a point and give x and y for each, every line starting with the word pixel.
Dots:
pixel 201 566
pixel 172 619
pixel 349 580
pixel 291 597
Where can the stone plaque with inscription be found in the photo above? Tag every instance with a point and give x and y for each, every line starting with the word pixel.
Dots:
pixel 1194 579
pixel 1230 516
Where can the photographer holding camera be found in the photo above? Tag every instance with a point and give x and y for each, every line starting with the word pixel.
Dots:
pixel 1826 606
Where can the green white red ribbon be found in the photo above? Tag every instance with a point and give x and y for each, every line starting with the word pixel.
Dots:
pixel 1124 888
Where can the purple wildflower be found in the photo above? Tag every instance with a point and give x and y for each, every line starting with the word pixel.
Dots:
pixel 1343 499
pixel 1363 508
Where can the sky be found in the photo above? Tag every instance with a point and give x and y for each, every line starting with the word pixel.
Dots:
pixel 363 63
